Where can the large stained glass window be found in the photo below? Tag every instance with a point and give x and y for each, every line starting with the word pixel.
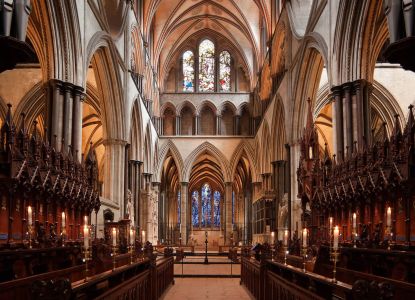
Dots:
pixel 206 66
pixel 195 208
pixel 188 71
pixel 216 209
pixel 225 71
pixel 206 205
pixel 179 207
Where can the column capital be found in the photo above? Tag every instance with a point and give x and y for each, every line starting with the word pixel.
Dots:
pixel 136 162
pixel 336 90
pixel 347 86
pixel 228 183
pixel 67 87
pixel 184 183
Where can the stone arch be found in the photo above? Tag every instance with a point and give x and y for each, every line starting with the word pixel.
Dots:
pixel 167 105
pixel 33 106
pixel 361 31
pixel 205 103
pixel 101 51
pixel 184 104
pixel 208 148
pixel 226 104
pixel 278 134
pixel 314 57
pixel 265 153
pixel 168 148
pixel 148 150
pixel 136 135
pixel 244 148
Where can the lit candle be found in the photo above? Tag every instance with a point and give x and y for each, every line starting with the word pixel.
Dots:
pixel 286 238
pixel 310 152
pixel 305 237
pixel 354 221
pixel 389 217
pixel 143 236
pixel 29 215
pixel 86 220
pixel 272 237
pixel 86 237
pixel 336 238
pixel 331 224
pixel 131 236
pixel 114 236
pixel 63 220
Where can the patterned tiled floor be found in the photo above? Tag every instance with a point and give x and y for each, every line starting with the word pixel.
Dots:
pixel 207 288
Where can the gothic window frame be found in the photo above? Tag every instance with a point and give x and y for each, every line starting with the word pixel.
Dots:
pixel 218 50
pixel 206 222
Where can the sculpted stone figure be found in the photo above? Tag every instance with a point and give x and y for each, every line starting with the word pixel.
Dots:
pixel 129 211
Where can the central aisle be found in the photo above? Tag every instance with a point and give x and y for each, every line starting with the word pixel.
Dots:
pixel 206 288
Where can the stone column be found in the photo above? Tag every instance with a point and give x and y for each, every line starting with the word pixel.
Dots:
pixel 184 193
pixel 137 191
pixel 146 209
pixel 197 124
pixel 228 212
pixel 113 189
pixel 367 91
pixel 218 124
pixel 237 125
pixel 348 118
pixel 338 122
pixel 68 114
pixel 178 125
pixel 57 114
pixel 77 122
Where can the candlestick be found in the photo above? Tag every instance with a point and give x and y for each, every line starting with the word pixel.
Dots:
pixel 114 237
pixel 286 238
pixel 389 217
pixel 305 237
pixel 29 215
pixel 114 252
pixel 336 238
pixel 87 257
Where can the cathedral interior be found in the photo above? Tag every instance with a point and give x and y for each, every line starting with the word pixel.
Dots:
pixel 207 149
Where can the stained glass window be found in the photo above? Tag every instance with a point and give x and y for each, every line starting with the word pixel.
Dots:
pixel 225 71
pixel 206 66
pixel 206 205
pixel 216 209
pixel 195 208
pixel 179 207
pixel 188 71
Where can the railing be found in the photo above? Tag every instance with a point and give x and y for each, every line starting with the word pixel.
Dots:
pixel 273 280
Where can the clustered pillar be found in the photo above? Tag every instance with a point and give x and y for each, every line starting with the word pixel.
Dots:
pixel 65 117
pixel 184 212
pixel 228 212
pixel 351 116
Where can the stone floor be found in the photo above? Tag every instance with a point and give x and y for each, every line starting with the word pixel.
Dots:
pixel 210 269
pixel 207 288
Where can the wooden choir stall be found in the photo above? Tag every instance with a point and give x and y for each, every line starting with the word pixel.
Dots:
pixel 358 220
pixel 48 247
